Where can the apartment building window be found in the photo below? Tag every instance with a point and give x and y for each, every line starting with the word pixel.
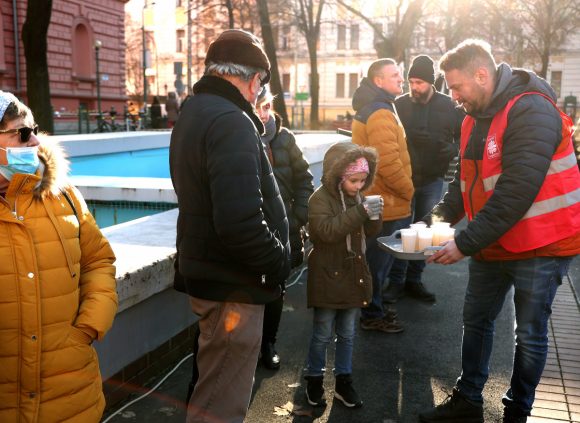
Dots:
pixel 286 82
pixel 340 85
pixel 341 37
pixel 82 52
pixel 354 36
pixel 285 41
pixel 352 83
pixel 180 40
pixel 556 82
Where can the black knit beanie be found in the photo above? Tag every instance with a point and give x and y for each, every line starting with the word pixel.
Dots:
pixel 239 47
pixel 422 68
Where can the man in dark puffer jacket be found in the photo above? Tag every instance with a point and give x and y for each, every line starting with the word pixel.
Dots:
pixel 519 186
pixel 432 126
pixel 232 231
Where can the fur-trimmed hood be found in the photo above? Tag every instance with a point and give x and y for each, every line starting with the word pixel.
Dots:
pixel 338 157
pixel 53 169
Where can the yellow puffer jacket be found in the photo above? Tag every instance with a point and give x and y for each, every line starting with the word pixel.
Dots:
pixel 383 131
pixel 57 294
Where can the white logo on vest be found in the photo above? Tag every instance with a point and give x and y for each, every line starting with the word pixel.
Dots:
pixel 492 147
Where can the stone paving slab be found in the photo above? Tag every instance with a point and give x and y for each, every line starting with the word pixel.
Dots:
pixel 558 395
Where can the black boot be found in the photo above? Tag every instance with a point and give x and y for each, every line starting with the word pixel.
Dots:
pixel 418 291
pixel 393 292
pixel 511 415
pixel 344 392
pixel 455 409
pixel 315 390
pixel 270 358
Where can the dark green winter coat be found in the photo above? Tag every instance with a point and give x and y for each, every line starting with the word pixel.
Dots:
pixel 339 278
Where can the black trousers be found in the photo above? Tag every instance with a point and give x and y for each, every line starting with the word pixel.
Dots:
pixel 272 316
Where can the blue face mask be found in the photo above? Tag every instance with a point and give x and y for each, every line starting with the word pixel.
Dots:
pixel 20 160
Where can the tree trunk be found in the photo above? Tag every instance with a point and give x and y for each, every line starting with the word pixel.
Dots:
pixel 231 21
pixel 270 47
pixel 34 34
pixel 314 86
pixel 545 62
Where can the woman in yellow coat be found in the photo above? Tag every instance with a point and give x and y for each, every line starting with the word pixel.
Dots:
pixel 57 282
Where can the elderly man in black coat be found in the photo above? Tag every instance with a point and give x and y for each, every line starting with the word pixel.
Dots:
pixel 233 252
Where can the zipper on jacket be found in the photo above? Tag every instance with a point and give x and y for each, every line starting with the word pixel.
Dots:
pixel 263 279
pixel 15 210
pixel 471 188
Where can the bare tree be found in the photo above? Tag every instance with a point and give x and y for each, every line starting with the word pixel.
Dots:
pixel 394 42
pixel 270 47
pixel 308 16
pixel 133 59
pixel 547 24
pixel 34 34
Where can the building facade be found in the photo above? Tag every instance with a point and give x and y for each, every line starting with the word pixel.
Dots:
pixel 75 28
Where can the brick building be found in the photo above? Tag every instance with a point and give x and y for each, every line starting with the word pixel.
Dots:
pixel 75 26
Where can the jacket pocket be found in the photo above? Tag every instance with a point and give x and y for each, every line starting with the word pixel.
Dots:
pixel 77 336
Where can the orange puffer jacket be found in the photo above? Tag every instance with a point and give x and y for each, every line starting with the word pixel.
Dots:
pixel 58 294
pixel 383 131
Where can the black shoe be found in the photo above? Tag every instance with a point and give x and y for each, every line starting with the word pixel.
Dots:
pixel 455 409
pixel 393 293
pixel 513 416
pixel 418 291
pixel 344 392
pixel 315 390
pixel 270 358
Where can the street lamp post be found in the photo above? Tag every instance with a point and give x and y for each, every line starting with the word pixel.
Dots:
pixel 98 45
pixel 144 57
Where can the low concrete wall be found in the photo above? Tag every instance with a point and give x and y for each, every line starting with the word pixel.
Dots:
pixel 150 311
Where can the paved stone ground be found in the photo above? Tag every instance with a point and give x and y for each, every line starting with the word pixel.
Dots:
pixel 398 375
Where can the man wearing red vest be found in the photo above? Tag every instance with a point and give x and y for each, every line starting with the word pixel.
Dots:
pixel 519 186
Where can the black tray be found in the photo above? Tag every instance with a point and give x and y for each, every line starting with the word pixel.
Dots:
pixel 393 245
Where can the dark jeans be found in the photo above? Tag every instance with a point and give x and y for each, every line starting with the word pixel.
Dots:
pixel 425 198
pixel 380 265
pixel 535 282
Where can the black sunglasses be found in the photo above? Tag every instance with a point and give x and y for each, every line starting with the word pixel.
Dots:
pixel 24 132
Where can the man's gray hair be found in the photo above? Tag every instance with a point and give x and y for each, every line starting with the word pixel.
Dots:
pixel 234 69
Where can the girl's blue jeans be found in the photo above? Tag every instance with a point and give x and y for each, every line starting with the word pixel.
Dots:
pixel 326 323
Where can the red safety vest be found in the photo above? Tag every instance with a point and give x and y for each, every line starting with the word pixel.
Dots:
pixel 555 212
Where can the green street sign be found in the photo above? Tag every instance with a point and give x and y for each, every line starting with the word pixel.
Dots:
pixel 301 96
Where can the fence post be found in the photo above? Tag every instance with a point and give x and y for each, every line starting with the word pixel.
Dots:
pixel 80 113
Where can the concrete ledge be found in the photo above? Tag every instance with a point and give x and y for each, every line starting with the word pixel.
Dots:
pixel 144 248
pixel 113 188
pixel 113 142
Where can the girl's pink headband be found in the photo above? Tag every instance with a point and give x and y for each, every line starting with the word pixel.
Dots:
pixel 361 165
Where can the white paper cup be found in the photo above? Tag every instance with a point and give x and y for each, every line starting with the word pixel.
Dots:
pixel 425 237
pixel 374 199
pixel 448 235
pixel 417 226
pixel 409 239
